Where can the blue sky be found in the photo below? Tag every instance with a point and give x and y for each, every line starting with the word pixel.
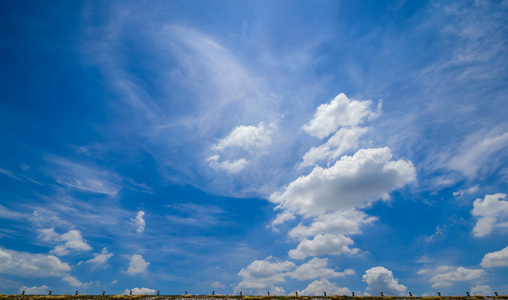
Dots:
pixel 254 146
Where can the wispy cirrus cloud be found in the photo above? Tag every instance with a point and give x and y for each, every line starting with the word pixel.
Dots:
pixel 478 149
pixel 88 178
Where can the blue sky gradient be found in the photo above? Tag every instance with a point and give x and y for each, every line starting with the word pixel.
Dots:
pixel 254 146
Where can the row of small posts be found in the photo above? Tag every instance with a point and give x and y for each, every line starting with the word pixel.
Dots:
pixel 382 295
pixel 296 293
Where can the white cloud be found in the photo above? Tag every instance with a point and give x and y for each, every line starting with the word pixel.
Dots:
pixel 339 222
pixel 341 111
pixel 317 268
pixel 444 276
pixel 26 264
pixel 495 259
pixel 139 291
pixel 323 244
pixel 100 259
pixel 8 214
pixel 319 287
pixel 73 241
pixel 230 167
pixel 476 151
pixel 139 222
pixel 137 265
pixel 484 290
pixel 72 281
pixel 247 137
pixel 35 290
pixel 217 285
pixel 353 181
pixel 492 212
pixel 380 279
pixel 84 177
pixel 261 275
pixel 467 191
pixel 205 63
pixel 343 140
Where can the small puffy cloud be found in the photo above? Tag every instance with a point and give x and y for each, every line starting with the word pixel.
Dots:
pixel 339 222
pixel 352 182
pixel 247 137
pixel 228 166
pixel 495 259
pixel 24 264
pixel 100 259
pixel 261 275
pixel 467 191
pixel 139 222
pixel 380 279
pixel 72 281
pixel 484 290
pixel 317 268
pixel 319 287
pixel 343 140
pixel 73 241
pixel 35 290
pixel 491 212
pixel 217 285
pixel 323 244
pixel 341 111
pixel 137 265
pixel 444 276
pixel 139 291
